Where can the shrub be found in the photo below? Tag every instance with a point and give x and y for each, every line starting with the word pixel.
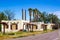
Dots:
pixel 24 30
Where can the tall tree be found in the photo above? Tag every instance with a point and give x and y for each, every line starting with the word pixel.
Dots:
pixel 36 14
pixel 30 13
pixel 9 14
pixel 44 16
pixel 53 18
pixel 2 17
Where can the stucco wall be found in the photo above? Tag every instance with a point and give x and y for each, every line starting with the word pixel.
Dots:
pixel 18 22
pixel 20 25
pixel 49 26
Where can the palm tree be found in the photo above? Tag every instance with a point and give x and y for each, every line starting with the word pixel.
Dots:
pixel 35 14
pixel 25 14
pixel 22 14
pixel 53 18
pixel 44 16
pixel 30 13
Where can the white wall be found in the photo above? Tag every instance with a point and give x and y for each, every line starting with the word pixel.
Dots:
pixel 19 22
pixel 39 26
pixel 20 25
pixel 49 26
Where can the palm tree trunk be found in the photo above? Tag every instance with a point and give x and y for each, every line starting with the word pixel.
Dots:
pixel 30 17
pixel 25 14
pixel 22 14
pixel 30 12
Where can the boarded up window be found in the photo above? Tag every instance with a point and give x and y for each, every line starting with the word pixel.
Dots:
pixel 14 26
pixel 42 26
pixel 34 27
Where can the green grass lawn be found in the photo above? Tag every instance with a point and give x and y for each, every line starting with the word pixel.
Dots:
pixel 20 34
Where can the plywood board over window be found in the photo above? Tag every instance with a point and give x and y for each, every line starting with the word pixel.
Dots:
pixel 14 26
pixel 34 26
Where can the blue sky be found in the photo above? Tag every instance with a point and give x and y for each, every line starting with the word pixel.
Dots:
pixel 51 6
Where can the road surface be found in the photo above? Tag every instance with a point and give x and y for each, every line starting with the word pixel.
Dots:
pixel 47 36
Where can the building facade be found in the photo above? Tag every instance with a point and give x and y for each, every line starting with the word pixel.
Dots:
pixel 18 25
pixel 13 25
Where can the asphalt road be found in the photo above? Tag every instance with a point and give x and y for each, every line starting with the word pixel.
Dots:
pixel 47 36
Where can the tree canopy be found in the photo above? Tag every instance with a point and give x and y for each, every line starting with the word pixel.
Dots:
pixel 44 16
pixel 9 14
pixel 6 15
pixel 3 16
